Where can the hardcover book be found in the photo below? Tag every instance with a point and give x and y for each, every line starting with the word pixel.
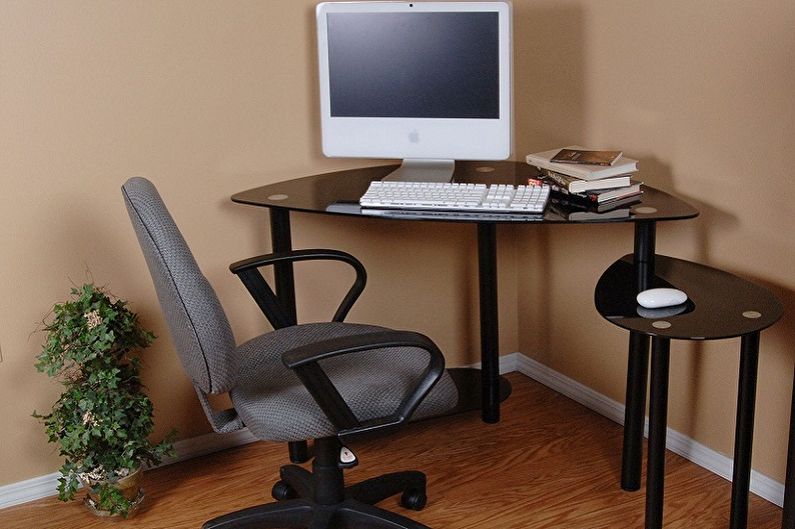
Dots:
pixel 543 160
pixel 597 196
pixel 583 156
pixel 601 196
pixel 576 185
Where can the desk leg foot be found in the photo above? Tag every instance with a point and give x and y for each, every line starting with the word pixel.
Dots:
pixel 744 430
pixel 658 423
pixel 635 411
pixel 468 382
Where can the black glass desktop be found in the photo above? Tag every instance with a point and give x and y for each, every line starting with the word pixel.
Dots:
pixel 337 193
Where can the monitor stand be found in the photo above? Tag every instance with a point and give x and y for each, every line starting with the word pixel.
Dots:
pixel 422 170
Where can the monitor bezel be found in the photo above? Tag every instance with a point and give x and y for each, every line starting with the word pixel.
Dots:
pixel 418 138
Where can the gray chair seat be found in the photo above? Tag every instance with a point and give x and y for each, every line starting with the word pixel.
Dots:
pixel 275 405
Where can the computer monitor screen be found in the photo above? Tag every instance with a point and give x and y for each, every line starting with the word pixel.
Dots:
pixel 414 65
pixel 428 82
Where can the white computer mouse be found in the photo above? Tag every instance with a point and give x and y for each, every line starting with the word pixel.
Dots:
pixel 654 298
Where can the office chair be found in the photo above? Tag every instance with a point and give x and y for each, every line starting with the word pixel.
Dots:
pixel 331 381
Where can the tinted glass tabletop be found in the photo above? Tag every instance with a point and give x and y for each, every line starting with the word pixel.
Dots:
pixel 338 193
pixel 719 304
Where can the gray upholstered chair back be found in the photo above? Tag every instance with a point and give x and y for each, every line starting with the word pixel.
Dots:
pixel 197 322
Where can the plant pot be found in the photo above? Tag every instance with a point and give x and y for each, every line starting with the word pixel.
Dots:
pixel 129 486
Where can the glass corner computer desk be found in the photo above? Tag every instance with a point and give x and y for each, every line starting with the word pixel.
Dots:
pixel 338 193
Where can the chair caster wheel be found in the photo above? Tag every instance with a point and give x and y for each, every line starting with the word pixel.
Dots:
pixel 282 491
pixel 414 500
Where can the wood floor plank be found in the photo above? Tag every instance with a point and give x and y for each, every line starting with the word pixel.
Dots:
pixel 549 464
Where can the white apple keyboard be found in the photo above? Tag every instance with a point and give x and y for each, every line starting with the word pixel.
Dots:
pixel 656 298
pixel 434 196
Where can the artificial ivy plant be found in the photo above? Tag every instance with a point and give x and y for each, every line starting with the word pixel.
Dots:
pixel 103 419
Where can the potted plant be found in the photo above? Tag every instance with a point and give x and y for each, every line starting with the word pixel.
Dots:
pixel 103 419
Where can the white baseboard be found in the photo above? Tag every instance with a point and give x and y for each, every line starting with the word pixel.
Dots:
pixel 29 490
pixel 761 485
pixel 705 457
pixel 47 485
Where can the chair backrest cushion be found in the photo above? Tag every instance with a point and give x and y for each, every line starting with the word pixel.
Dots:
pixel 195 318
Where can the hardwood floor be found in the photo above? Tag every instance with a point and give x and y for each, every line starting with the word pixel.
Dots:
pixel 550 463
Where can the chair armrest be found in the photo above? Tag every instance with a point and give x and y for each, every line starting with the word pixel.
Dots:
pixel 248 272
pixel 304 361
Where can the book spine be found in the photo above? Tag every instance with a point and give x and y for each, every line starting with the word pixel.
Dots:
pixel 556 179
pixel 579 199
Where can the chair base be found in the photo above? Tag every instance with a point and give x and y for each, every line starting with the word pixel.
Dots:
pixel 319 499
pixel 302 513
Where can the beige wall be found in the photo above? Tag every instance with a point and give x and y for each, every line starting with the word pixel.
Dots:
pixel 209 98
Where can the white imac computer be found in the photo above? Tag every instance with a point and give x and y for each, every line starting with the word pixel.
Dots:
pixel 426 82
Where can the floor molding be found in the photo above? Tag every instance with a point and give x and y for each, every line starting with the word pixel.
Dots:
pixel 47 485
pixel 761 485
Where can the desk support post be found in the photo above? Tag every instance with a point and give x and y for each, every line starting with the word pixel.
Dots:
pixel 635 411
pixel 637 365
pixel 489 337
pixel 283 272
pixel 788 519
pixel 744 430
pixel 658 424
pixel 281 241
pixel 645 240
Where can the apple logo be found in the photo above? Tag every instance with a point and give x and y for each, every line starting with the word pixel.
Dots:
pixel 414 136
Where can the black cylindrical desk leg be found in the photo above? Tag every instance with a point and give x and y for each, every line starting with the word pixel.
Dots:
pixel 635 411
pixel 489 328
pixel 285 290
pixel 788 520
pixel 283 272
pixel 637 364
pixel 658 423
pixel 645 242
pixel 744 430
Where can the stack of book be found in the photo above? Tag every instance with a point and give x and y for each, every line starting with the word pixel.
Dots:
pixel 598 180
